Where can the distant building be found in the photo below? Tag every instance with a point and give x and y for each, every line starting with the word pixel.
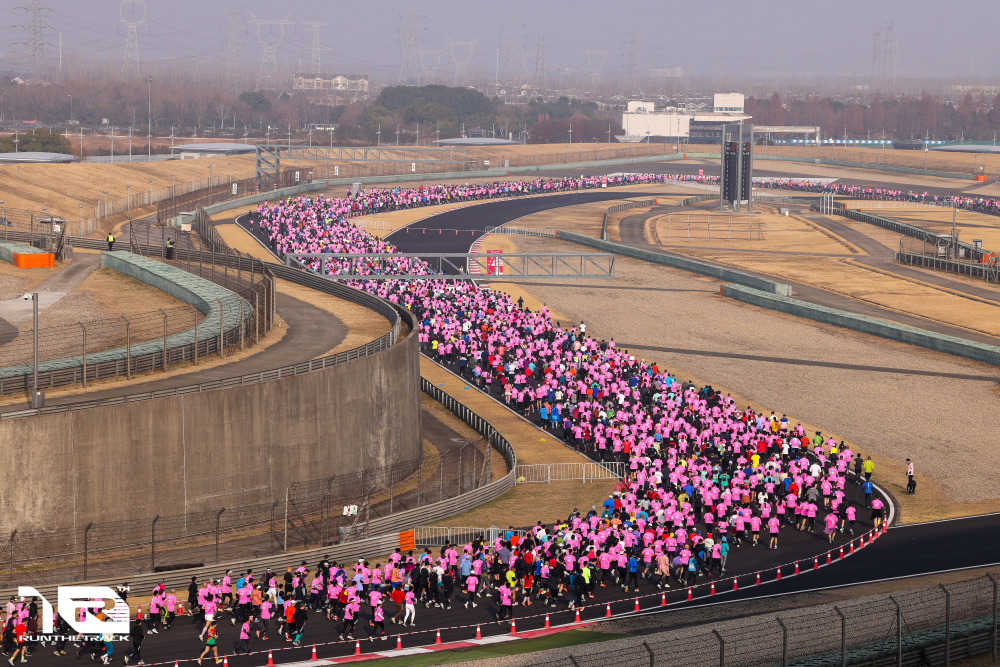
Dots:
pixel 328 89
pixel 642 122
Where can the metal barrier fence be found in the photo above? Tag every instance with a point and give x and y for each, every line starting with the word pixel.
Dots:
pixel 875 158
pixel 988 270
pixel 681 226
pixel 522 231
pixel 222 190
pixel 922 627
pixel 244 275
pixel 438 536
pixel 641 203
pixel 313 512
pixel 568 472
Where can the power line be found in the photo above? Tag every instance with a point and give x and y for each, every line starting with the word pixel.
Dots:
pixel 34 41
pixel 130 63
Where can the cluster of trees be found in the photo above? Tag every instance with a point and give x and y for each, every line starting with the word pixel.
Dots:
pixel 41 140
pixel 975 117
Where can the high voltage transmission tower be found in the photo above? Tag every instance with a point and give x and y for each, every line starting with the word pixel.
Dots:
pixel 631 65
pixel 540 64
pixel 317 48
pixel 133 14
pixel 270 39
pixel 513 52
pixel 231 79
pixel 34 38
pixel 461 55
pixel 597 58
pixel 408 34
pixel 885 54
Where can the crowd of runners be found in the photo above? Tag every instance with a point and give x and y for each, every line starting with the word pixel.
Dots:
pixel 704 477
pixel 985 205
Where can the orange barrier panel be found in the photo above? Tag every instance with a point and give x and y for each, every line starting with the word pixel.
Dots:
pixel 407 540
pixel 34 260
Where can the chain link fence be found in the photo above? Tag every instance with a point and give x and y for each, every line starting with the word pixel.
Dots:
pixel 927 626
pixel 310 513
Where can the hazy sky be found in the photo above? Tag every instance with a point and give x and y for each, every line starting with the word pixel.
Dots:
pixel 711 37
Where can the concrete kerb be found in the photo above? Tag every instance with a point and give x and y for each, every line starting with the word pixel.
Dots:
pixel 678 262
pixel 884 329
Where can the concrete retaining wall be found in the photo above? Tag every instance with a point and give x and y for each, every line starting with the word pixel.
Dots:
pixel 869 325
pixel 204 451
pixel 684 263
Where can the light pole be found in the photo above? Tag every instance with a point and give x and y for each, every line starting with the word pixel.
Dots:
pixel 149 120
pixel 112 144
pixel 70 109
pixel 172 185
pixel 331 138
pixel 105 204
pixel 310 138
pixel 230 171
pixel 37 400
pixel 129 144
pixel 128 196
pixel 378 136
pixel 150 191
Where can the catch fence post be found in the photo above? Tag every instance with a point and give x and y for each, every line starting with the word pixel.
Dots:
pixel 152 544
pixel 128 348
pixel 164 340
pixel 993 628
pixel 652 657
pixel 722 648
pixel 843 637
pixel 784 642
pixel 899 632
pixel 218 531
pixel 86 547
pixel 84 329
pixel 947 625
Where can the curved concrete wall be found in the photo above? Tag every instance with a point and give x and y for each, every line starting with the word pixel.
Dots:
pixel 204 451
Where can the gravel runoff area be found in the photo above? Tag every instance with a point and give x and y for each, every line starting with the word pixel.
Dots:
pixel 943 423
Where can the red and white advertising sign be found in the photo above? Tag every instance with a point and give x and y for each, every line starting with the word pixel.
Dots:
pixel 494 265
pixel 701 172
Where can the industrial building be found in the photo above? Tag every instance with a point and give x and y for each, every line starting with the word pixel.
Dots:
pixel 642 122
pixel 330 89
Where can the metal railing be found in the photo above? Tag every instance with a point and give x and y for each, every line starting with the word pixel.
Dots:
pixel 522 231
pixel 931 626
pixel 438 536
pixel 744 226
pixel 640 203
pixel 568 472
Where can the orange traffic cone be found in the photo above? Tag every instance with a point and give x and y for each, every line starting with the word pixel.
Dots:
pixel 815 562
pixel 796 567
pixel 663 599
pixel 852 546
pixel 138 613
pixel 270 660
pixel 607 614
pixel 314 656
pixel 547 626
pixel 690 596
pixel 778 578
pixel 479 634
pixel 636 604
pixel 829 557
pixel 513 627
pixel 736 585
pixel 357 647
pixel 225 661
pixel 577 616
pixel 437 639
pixel 712 592
pixel 841 553
pixel 758 579
pixel 399 642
